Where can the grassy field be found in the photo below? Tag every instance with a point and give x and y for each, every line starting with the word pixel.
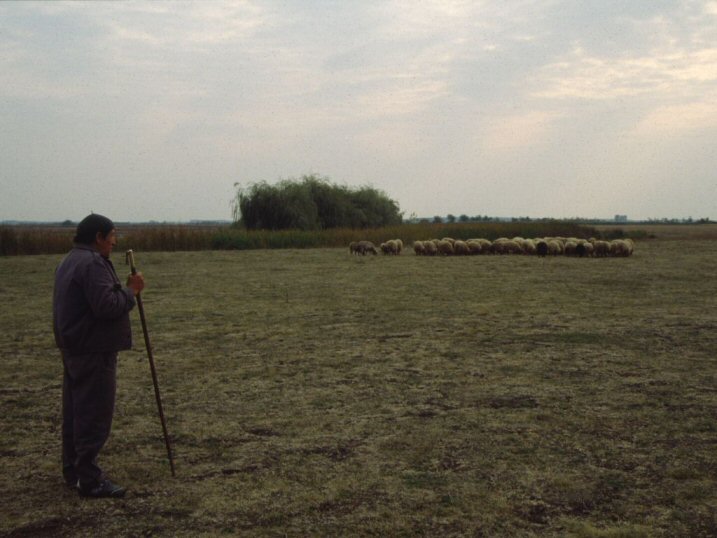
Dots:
pixel 311 393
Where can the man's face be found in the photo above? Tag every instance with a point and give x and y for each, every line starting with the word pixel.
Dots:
pixel 106 244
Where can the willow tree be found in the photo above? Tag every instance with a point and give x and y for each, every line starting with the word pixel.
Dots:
pixel 312 203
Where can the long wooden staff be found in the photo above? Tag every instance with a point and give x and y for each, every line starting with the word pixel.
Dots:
pixel 129 258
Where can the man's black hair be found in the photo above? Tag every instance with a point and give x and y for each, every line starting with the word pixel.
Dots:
pixel 89 226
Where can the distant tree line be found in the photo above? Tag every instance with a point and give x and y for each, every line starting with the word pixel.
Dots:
pixel 312 203
pixel 451 219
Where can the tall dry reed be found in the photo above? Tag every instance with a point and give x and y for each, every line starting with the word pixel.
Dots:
pixel 15 240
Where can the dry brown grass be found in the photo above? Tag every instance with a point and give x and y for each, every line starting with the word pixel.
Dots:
pixel 311 393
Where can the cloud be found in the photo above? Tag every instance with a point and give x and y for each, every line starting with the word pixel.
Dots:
pixel 677 120
pixel 668 54
pixel 582 76
pixel 509 132
pixel 183 25
pixel 468 91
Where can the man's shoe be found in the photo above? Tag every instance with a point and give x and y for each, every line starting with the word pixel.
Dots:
pixel 104 488
pixel 70 476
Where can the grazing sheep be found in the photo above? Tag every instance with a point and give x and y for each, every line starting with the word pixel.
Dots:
pixel 497 247
pixel 620 247
pixel 584 248
pixel 514 247
pixel 520 241
pixel 430 248
pixel 529 247
pixel 485 246
pixel 365 247
pixel 602 248
pixel 445 248
pixel 460 248
pixel 353 248
pixel 474 246
pixel 506 246
pixel 392 246
pixel 555 248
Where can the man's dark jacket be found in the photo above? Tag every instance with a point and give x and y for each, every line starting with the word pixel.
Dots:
pixel 90 306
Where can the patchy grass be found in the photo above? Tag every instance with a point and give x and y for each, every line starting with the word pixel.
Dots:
pixel 309 392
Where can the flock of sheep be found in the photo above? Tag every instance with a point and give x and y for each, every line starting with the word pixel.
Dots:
pixel 543 246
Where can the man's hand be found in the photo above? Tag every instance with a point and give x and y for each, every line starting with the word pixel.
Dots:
pixel 135 283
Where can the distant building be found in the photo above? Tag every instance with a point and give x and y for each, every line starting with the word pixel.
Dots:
pixel 620 218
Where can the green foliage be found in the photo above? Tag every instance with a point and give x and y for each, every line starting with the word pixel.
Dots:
pixel 232 239
pixel 312 203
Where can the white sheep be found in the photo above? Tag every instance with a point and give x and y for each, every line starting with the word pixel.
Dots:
pixel 620 247
pixel 506 246
pixel 529 247
pixel 555 247
pixel 460 248
pixel 497 247
pixel 484 245
pixel 602 248
pixel 520 241
pixel 474 246
pixel 430 248
pixel 445 248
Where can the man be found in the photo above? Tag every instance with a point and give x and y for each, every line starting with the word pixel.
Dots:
pixel 91 324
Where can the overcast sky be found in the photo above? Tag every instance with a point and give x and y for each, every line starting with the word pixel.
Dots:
pixel 546 108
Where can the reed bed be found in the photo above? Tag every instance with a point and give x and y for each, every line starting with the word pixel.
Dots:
pixel 18 240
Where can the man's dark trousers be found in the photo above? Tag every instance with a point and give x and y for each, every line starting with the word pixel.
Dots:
pixel 88 400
